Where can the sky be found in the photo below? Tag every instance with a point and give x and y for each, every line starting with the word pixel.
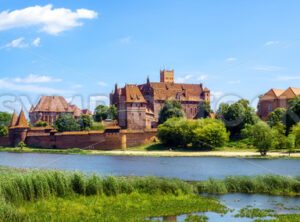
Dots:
pixel 79 49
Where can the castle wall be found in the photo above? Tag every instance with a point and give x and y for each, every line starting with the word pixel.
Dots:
pixel 4 141
pixel 91 139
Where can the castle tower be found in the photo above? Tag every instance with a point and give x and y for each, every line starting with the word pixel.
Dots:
pixel 167 76
pixel 18 130
pixel 14 120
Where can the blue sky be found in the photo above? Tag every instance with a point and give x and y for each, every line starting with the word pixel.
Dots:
pixel 82 48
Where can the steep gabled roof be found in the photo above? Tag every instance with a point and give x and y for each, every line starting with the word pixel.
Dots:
pixel 14 119
pixel 133 94
pixel 186 92
pixel 22 121
pixel 76 110
pixel 272 94
pixel 86 112
pixel 290 93
pixel 53 104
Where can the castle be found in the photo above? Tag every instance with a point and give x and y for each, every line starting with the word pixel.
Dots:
pixel 139 105
pixel 273 99
pixel 49 108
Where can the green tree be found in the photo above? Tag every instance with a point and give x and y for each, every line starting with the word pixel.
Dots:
pixel 293 112
pixel 277 116
pixel 21 145
pixel 290 143
pixel 176 132
pixel 236 116
pixel 41 123
pixel 262 137
pixel 209 134
pixel 66 122
pixel 296 132
pixel 172 108
pixel 5 119
pixel 106 112
pixel 85 122
pixel 204 110
pixel 279 141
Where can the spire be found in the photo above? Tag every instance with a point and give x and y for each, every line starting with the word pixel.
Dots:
pixel 14 119
pixel 22 122
pixel 116 87
pixel 148 80
pixel 31 109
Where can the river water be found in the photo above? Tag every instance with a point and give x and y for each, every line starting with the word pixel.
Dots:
pixel 186 168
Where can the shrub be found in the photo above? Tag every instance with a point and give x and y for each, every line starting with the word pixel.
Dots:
pixel 41 123
pixel 209 133
pixel 21 145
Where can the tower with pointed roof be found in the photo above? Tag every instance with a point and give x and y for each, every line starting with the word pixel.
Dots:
pixel 18 129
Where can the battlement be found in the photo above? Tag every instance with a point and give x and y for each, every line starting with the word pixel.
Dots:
pixel 167 76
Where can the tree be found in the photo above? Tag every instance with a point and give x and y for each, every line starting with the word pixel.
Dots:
pixel 262 137
pixel 278 132
pixel 277 116
pixel 172 108
pixel 296 132
pixel 290 143
pixel 5 119
pixel 41 123
pixel 236 116
pixel 106 112
pixel 21 145
pixel 209 134
pixel 204 110
pixel 293 112
pixel 176 132
pixel 85 122
pixel 66 122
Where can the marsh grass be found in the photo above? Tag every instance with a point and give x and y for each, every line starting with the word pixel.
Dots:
pixel 264 184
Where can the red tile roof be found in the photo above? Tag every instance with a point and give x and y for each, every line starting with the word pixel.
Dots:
pixel 14 119
pixel 22 122
pixel 53 104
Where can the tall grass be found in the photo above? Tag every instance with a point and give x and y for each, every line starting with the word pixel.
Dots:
pixel 266 184
pixel 17 187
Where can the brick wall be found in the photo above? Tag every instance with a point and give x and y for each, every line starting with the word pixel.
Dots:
pixel 91 139
pixel 4 141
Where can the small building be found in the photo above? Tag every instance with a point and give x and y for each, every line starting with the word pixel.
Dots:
pixel 274 99
pixel 49 108
pixel 139 105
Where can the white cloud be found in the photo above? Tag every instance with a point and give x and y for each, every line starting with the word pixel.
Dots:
pixel 267 68
pixel 100 83
pixel 17 43
pixel 271 43
pixel 32 78
pixel 234 82
pixel 183 79
pixel 287 78
pixel 9 85
pixel 52 21
pixel 36 42
pixel 126 40
pixel 231 59
pixel 202 78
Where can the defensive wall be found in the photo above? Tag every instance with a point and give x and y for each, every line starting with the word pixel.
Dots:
pixel 98 140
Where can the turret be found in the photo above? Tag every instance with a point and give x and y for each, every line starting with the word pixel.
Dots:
pixel 18 132
pixel 14 120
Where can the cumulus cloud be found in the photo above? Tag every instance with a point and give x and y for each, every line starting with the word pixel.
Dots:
pixel 267 68
pixel 9 85
pixel 52 21
pixel 100 83
pixel 271 43
pixel 36 42
pixel 231 59
pixel 32 78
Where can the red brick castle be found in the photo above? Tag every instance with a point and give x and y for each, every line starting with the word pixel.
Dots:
pixel 139 105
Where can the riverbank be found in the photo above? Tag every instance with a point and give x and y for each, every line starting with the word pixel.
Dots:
pixel 156 150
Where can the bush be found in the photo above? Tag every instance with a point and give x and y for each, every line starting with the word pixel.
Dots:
pixel 262 137
pixel 209 133
pixel 85 122
pixel 97 126
pixel 203 133
pixel 66 122
pixel 172 108
pixel 41 124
